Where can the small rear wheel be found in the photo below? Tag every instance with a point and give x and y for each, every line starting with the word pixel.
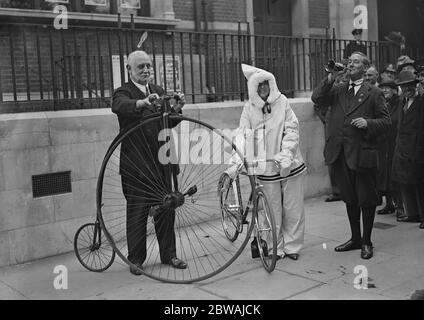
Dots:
pixel 92 249
pixel 265 231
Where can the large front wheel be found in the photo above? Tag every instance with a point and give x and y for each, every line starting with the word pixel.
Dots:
pixel 157 199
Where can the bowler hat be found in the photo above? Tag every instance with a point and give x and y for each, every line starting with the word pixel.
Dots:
pixel 356 31
pixel 406 77
pixel 388 83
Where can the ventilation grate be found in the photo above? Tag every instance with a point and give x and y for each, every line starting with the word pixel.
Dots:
pixel 51 183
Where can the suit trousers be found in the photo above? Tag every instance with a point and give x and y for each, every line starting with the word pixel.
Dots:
pixel 357 187
pixel 413 199
pixel 139 200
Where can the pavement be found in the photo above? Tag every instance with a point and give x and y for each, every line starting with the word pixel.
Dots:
pixel 394 273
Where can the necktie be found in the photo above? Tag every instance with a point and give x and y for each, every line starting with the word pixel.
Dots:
pixel 406 107
pixel 351 92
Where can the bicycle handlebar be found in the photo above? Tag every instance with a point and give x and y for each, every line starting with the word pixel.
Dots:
pixel 255 163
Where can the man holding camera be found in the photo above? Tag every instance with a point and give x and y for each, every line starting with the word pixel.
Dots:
pixel 357 117
pixel 139 164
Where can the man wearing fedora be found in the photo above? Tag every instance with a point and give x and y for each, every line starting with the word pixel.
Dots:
pixel 405 63
pixel 355 45
pixel 358 116
pixel 389 73
pixel 408 159
pixel 386 148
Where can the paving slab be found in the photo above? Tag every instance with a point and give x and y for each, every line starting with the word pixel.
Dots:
pixel 258 285
pixel 324 264
pixel 338 290
pixel 394 272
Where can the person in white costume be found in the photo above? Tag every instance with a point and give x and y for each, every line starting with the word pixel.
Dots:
pixel 267 114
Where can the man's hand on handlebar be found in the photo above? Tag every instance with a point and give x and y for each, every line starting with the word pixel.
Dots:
pixel 147 103
pixel 180 99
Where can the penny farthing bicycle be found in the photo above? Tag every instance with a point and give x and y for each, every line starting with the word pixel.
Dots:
pixel 175 164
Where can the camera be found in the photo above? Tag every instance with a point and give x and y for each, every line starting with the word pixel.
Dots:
pixel 333 66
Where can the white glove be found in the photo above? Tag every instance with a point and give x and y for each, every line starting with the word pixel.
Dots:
pixel 284 167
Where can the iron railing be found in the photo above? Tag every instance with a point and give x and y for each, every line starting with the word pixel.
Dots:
pixel 44 69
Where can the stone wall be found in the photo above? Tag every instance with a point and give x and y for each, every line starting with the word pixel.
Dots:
pixel 76 141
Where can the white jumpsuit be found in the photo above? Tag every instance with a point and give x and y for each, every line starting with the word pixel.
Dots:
pixel 279 139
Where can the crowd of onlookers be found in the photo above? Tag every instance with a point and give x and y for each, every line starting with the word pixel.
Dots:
pixel 402 185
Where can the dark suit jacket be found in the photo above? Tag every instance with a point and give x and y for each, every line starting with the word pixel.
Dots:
pixel 359 145
pixel 139 150
pixel 408 159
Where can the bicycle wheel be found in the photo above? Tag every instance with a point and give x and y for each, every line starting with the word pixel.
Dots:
pixel 265 230
pixel 156 198
pixel 92 249
pixel 231 204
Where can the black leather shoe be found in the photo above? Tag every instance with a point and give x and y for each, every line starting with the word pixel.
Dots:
pixel 409 219
pixel 367 251
pixel 293 256
pixel 136 270
pixel 177 263
pixel 348 246
pixel 422 225
pixel 332 198
pixel 386 210
pixel 399 213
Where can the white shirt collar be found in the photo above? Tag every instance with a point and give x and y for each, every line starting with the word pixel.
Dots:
pixel 142 88
pixel 357 82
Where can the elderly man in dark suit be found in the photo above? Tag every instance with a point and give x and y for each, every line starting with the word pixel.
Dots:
pixel 358 116
pixel 386 149
pixel 140 168
pixel 408 160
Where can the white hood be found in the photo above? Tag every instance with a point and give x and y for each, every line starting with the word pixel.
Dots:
pixel 254 77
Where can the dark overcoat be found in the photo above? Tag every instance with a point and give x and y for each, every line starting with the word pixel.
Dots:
pixel 139 150
pixel 408 159
pixel 386 146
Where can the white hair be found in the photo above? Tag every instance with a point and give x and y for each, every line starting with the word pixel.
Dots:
pixel 135 54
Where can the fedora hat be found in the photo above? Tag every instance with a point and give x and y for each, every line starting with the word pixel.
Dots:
pixel 404 61
pixel 388 83
pixel 357 31
pixel 406 77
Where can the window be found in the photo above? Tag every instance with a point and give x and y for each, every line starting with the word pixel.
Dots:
pixel 125 7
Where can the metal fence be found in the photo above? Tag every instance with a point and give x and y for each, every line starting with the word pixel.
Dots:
pixel 44 69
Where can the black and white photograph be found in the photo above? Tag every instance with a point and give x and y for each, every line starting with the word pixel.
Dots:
pixel 213 156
